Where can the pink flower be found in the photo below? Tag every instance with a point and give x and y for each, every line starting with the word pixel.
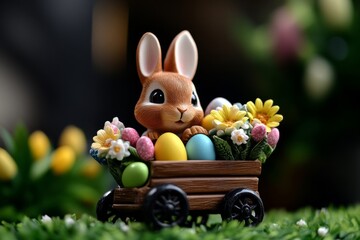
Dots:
pixel 131 135
pixel 273 137
pixel 286 34
pixel 259 132
pixel 145 148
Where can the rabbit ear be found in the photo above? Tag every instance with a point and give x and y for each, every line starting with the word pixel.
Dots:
pixel 148 56
pixel 182 56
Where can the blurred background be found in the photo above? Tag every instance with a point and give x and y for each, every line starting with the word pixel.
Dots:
pixel 73 62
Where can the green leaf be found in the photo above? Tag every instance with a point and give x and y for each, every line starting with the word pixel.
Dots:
pixel 268 150
pixel 40 167
pixel 257 149
pixel 134 152
pixel 8 140
pixel 262 157
pixel 115 170
pixel 223 149
pixel 237 150
pixel 245 152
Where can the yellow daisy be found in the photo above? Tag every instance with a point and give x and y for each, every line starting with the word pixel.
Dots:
pixel 102 141
pixel 264 113
pixel 228 117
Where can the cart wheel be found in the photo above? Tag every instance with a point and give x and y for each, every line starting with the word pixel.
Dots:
pixel 166 206
pixel 104 210
pixel 243 205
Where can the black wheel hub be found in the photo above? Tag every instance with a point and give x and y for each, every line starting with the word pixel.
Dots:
pixel 246 211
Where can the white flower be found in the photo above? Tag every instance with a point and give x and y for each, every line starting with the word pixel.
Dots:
pixel 119 149
pixel 322 231
pixel 46 219
pixel 274 225
pixel 124 227
pixel 69 221
pixel 301 223
pixel 239 137
pixel 117 123
pixel 245 126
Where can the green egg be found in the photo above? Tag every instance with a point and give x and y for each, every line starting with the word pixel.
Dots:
pixel 135 175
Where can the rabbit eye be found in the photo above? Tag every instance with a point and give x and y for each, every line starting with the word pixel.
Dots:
pixel 157 96
pixel 194 100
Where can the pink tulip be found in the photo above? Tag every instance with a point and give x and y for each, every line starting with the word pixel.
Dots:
pixel 259 132
pixel 286 34
pixel 273 137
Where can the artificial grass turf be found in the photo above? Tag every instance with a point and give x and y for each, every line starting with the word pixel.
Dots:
pixel 306 223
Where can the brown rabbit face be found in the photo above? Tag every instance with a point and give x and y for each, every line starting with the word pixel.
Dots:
pixel 168 102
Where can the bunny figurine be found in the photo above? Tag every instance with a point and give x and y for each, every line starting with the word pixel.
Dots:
pixel 168 101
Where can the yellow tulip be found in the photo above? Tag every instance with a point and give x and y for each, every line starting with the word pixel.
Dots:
pixel 8 168
pixel 39 145
pixel 91 168
pixel 75 138
pixel 62 160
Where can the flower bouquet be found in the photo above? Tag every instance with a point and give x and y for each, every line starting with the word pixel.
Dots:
pixel 245 132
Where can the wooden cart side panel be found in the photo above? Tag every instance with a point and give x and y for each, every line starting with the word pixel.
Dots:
pixel 130 195
pixel 205 202
pixel 198 168
pixel 196 203
pixel 209 185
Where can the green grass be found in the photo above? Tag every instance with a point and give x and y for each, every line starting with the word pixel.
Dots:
pixel 341 223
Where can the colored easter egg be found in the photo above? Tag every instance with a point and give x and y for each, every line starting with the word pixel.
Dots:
pixel 200 147
pixel 170 147
pixel 135 175
pixel 207 122
pixel 145 148
pixel 216 102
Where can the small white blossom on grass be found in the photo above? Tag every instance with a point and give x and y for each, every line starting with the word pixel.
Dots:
pixel 124 227
pixel 69 221
pixel 119 149
pixel 322 231
pixel 301 223
pixel 274 225
pixel 46 219
pixel 239 137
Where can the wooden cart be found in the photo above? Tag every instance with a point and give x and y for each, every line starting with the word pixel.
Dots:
pixel 181 190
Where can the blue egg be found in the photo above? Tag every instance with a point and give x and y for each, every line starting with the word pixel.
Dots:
pixel 200 147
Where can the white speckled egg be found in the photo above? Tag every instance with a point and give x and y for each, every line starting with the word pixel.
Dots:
pixel 216 102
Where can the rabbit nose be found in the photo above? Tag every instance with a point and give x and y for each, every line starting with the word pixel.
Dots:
pixel 181 110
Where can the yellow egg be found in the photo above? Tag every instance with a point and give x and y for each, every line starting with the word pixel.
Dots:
pixel 170 147
pixel 207 122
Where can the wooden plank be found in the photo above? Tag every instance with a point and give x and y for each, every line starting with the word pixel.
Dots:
pixel 127 206
pixel 209 185
pixel 196 202
pixel 198 168
pixel 205 202
pixel 130 195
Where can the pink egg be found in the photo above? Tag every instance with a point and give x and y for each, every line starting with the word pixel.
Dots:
pixel 145 148
pixel 131 135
